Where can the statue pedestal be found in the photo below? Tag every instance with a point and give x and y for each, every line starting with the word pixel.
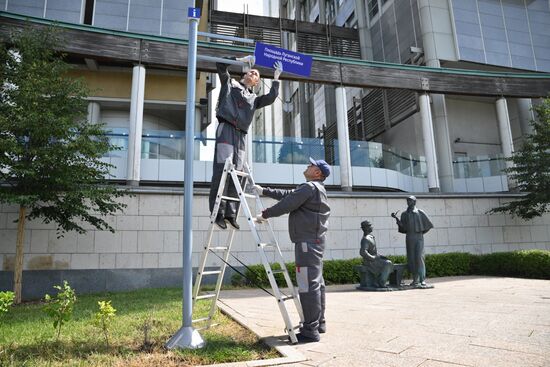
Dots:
pixel 396 275
pixel 368 281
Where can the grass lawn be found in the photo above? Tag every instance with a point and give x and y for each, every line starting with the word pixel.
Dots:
pixel 144 321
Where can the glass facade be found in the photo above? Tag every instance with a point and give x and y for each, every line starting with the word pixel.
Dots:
pixel 157 17
pixel 62 10
pixel 510 33
pixel 395 31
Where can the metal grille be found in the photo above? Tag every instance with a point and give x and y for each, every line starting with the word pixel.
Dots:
pixel 329 136
pixel 401 104
pixel 312 44
pixel 343 47
pixel 270 36
pixel 373 112
pixel 311 38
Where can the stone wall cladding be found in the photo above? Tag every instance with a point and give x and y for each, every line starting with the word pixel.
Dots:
pixel 149 234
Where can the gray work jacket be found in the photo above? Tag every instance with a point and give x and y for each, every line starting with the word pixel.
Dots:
pixel 236 103
pixel 308 208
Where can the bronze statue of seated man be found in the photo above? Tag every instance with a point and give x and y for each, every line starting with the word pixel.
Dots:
pixel 377 268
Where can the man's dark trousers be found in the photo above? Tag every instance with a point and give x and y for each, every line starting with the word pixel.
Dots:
pixel 311 286
pixel 229 142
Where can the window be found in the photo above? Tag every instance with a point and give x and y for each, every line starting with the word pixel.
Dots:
pixel 351 22
pixel 373 8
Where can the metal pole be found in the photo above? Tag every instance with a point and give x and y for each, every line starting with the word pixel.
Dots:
pixel 187 337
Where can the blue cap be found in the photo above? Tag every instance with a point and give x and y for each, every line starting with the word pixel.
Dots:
pixel 322 165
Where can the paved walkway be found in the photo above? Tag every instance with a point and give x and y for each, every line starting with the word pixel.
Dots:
pixel 463 321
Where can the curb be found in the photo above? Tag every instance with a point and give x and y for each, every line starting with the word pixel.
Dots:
pixel 288 352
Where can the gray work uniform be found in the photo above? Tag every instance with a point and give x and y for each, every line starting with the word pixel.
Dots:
pixel 235 111
pixel 414 224
pixel 307 225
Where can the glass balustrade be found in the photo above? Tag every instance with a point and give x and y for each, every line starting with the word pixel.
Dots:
pixel 170 145
pixel 478 166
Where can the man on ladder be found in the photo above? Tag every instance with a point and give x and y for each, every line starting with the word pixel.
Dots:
pixel 235 110
pixel 307 226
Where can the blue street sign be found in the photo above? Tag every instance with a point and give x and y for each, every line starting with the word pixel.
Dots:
pixel 293 62
pixel 194 13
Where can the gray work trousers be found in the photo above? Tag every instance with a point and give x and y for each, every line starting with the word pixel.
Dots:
pixel 311 286
pixel 415 256
pixel 229 142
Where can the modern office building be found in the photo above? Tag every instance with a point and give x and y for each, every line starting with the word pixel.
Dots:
pixel 471 135
pixel 389 144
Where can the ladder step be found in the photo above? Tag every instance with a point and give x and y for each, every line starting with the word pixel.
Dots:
pixel 206 327
pixel 210 272
pixel 277 271
pixel 219 248
pixel 241 173
pixel 267 245
pixel 201 319
pixel 286 298
pixel 250 196
pixel 204 296
pixel 230 198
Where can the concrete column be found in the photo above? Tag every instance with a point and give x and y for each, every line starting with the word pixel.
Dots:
pixel 429 143
pixel 94 112
pixel 322 12
pixel 136 125
pixel 365 41
pixel 526 115
pixel 504 129
pixel 432 29
pixel 346 181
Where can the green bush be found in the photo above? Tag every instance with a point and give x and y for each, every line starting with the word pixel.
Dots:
pixel 450 264
pixel 523 264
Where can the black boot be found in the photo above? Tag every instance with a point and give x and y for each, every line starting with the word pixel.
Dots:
pixel 233 222
pixel 220 221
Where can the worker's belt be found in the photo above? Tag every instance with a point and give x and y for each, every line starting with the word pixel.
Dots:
pixel 220 120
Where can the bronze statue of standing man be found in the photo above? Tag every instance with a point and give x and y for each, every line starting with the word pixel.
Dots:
pixel 414 223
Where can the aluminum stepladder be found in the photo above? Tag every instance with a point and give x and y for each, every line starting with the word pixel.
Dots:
pixel 244 179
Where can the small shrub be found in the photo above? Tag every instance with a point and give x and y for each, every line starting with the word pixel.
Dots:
pixel 146 326
pixel 6 300
pixel 104 317
pixel 60 307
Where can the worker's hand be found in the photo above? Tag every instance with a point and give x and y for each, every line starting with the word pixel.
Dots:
pixel 260 219
pixel 250 60
pixel 259 189
pixel 278 70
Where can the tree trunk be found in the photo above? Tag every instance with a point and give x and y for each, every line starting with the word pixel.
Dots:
pixel 18 270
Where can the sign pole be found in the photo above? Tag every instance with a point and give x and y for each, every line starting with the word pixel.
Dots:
pixel 187 337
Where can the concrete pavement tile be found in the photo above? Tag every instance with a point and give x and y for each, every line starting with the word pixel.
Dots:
pixel 511 346
pixel 432 363
pixel 371 359
pixel 478 356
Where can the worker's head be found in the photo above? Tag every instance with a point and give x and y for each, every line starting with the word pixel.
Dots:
pixel 366 226
pixel 317 171
pixel 251 78
pixel 411 201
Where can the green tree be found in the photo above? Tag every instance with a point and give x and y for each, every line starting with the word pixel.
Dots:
pixel 50 156
pixel 531 169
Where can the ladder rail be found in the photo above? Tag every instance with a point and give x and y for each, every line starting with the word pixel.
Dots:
pixel 242 179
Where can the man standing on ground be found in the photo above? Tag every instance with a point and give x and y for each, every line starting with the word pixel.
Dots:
pixel 307 226
pixel 414 223
pixel 235 110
